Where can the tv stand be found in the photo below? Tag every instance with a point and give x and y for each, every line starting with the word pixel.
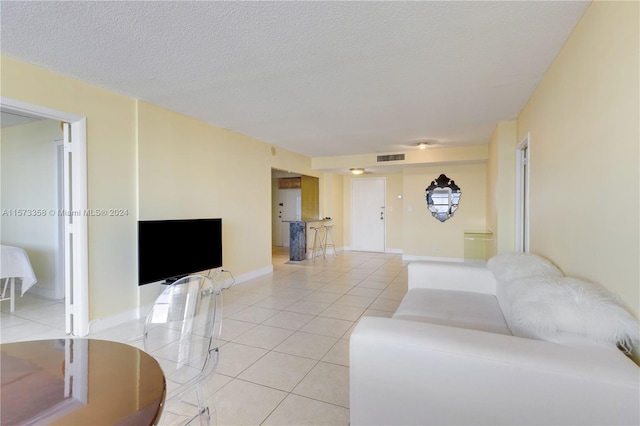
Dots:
pixel 172 280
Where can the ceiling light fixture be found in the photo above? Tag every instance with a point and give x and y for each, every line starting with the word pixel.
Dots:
pixel 423 145
pixel 356 170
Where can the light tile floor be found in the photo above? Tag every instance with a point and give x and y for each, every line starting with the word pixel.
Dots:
pixel 284 354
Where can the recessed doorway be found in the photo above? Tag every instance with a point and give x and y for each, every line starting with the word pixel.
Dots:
pixel 74 260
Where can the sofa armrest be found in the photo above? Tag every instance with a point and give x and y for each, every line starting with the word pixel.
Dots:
pixel 406 372
pixel 451 276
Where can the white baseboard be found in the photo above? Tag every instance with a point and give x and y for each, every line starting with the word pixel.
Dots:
pixel 386 250
pixel 107 322
pixel 393 250
pixel 45 292
pixel 253 274
pixel 147 295
pixel 410 257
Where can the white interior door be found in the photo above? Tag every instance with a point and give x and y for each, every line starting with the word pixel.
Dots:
pixel 368 214
pixel 291 210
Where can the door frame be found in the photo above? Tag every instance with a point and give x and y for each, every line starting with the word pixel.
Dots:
pixel 58 291
pixel 523 172
pixel 78 310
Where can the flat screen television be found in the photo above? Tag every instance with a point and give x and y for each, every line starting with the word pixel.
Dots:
pixel 169 249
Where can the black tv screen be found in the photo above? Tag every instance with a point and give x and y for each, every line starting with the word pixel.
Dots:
pixel 173 248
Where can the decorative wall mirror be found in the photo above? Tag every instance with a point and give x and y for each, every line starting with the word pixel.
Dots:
pixel 443 196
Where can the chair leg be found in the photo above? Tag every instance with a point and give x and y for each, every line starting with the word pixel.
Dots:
pixel 203 415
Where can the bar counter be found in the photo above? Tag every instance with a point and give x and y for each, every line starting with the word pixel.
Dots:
pixel 298 237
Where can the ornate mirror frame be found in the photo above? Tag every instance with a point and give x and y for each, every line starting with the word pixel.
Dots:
pixel 443 197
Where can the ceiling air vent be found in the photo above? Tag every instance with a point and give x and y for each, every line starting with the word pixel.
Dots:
pixel 390 157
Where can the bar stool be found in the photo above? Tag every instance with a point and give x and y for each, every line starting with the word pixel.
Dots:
pixel 327 237
pixel 316 239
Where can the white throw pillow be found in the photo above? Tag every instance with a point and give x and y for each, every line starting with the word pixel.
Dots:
pixel 548 306
pixel 512 266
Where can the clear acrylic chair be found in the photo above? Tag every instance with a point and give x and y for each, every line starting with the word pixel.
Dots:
pixel 182 332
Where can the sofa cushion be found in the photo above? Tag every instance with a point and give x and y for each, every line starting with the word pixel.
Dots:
pixel 461 309
pixel 559 309
pixel 512 266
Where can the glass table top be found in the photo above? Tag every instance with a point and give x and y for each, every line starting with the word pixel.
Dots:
pixel 79 382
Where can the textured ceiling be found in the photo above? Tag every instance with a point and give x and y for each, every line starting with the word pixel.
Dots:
pixel 318 78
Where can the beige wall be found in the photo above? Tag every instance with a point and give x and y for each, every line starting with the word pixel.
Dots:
pixel 584 150
pixel 111 180
pixel 332 192
pixel 425 236
pixel 283 159
pixel 190 169
pixel 310 194
pixel 29 182
pixel 410 228
pixel 413 156
pixel 158 164
pixel 501 168
pixel 397 236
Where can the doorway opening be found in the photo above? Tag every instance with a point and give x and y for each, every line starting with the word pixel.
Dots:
pixel 294 197
pixel 72 263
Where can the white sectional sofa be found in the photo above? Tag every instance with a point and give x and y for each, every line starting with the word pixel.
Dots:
pixel 514 344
